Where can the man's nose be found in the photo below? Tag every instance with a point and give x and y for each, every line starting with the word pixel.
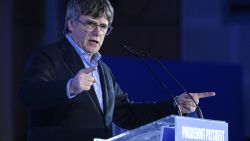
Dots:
pixel 97 30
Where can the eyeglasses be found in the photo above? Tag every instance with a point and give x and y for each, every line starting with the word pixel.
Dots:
pixel 91 26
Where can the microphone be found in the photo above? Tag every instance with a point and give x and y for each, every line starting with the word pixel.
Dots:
pixel 141 54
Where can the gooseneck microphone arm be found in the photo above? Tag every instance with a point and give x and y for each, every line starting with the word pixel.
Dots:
pixel 200 115
pixel 166 89
pixel 143 55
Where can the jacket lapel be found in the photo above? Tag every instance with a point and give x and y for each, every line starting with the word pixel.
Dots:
pixel 104 87
pixel 95 99
pixel 71 58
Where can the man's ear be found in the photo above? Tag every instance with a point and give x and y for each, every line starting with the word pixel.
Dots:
pixel 71 24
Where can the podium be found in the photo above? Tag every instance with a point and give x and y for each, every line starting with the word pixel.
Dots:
pixel 176 128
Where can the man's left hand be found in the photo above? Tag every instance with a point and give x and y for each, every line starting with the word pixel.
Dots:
pixel 187 105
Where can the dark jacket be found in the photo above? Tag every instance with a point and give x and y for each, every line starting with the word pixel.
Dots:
pixel 53 116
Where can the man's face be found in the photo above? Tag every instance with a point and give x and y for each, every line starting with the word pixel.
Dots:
pixel 88 33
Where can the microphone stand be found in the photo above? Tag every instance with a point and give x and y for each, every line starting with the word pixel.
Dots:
pixel 166 89
pixel 144 55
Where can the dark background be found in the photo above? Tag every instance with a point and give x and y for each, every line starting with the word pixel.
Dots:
pixel 214 31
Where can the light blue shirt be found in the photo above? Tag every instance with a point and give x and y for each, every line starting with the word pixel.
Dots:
pixel 88 63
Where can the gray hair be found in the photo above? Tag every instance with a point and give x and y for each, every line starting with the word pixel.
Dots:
pixel 94 8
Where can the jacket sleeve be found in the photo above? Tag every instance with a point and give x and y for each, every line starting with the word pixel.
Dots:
pixel 39 88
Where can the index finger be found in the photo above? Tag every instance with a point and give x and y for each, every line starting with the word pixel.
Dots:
pixel 88 70
pixel 203 94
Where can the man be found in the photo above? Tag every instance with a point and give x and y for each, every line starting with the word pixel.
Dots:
pixel 72 95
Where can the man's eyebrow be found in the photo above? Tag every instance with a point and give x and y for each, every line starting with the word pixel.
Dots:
pixel 91 20
pixel 94 21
